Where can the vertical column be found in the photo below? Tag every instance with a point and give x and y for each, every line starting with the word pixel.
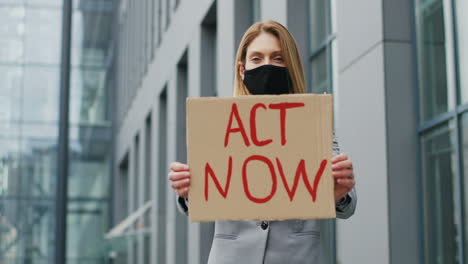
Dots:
pixel 361 58
pixel 131 191
pixel 171 156
pixel 226 52
pixel 155 175
pixel 62 157
pixel 141 190
pixel 160 185
pixel 164 14
pixel 194 74
pixel 181 154
pixel 402 137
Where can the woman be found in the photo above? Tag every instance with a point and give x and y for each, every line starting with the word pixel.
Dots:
pixel 268 62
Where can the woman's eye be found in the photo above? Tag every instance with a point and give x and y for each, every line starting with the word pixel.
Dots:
pixel 279 59
pixel 255 59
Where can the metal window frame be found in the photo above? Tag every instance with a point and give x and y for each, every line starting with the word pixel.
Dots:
pixel 63 148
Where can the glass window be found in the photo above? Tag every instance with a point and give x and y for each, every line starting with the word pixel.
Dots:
pixel 41 94
pixel 89 168
pixel 86 226
pixel 462 35
pixel 88 97
pixel 320 73
pixel 433 91
pixel 11 78
pixel 44 3
pixel 43 33
pixel 27 231
pixel 440 228
pixel 464 149
pixel 319 22
pixel 10 2
pixel 91 37
pixel 27 173
pixel 320 46
pixel 9 163
pixel 38 166
pixel 12 29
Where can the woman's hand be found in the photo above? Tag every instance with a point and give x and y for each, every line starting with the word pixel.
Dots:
pixel 180 178
pixel 342 171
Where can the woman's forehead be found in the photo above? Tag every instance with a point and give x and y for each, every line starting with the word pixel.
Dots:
pixel 264 43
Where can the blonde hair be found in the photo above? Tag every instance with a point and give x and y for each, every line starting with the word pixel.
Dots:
pixel 289 51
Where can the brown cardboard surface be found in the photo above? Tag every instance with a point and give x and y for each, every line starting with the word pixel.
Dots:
pixel 259 168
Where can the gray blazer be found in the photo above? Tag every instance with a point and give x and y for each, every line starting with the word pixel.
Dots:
pixel 271 242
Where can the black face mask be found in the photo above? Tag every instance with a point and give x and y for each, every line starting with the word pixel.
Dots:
pixel 268 79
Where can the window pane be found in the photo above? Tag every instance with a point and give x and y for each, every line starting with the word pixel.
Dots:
pixel 43 35
pixel 10 2
pixel 320 73
pixel 9 163
pixel 54 3
pixel 27 179
pixel 91 36
pixel 41 94
pixel 462 26
pixel 440 228
pixel 89 161
pixel 10 93
pixel 86 226
pixel 319 22
pixel 433 90
pixel 464 148
pixel 12 33
pixel 88 97
pixel 39 164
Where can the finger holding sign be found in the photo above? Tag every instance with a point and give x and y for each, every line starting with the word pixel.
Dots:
pixel 180 178
pixel 343 173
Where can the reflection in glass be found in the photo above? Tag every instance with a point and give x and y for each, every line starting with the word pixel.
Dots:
pixel 43 35
pixel 86 223
pixel 462 35
pixel 45 3
pixel 12 34
pixel 9 159
pixel 92 35
pixel 89 98
pixel 90 135
pixel 440 228
pixel 41 94
pixel 10 94
pixel 433 90
pixel 27 181
pixel 39 167
pixel 320 73
pixel 89 164
pixel 319 22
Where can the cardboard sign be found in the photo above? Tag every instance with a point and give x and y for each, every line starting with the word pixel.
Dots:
pixel 260 157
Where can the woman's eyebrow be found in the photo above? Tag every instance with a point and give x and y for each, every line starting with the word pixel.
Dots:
pixel 275 52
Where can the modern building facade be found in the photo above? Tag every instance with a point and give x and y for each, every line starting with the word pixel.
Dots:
pixel 397 70
pixel 31 118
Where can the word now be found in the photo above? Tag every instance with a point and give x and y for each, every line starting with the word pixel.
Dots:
pixel 300 170
pixel 282 107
